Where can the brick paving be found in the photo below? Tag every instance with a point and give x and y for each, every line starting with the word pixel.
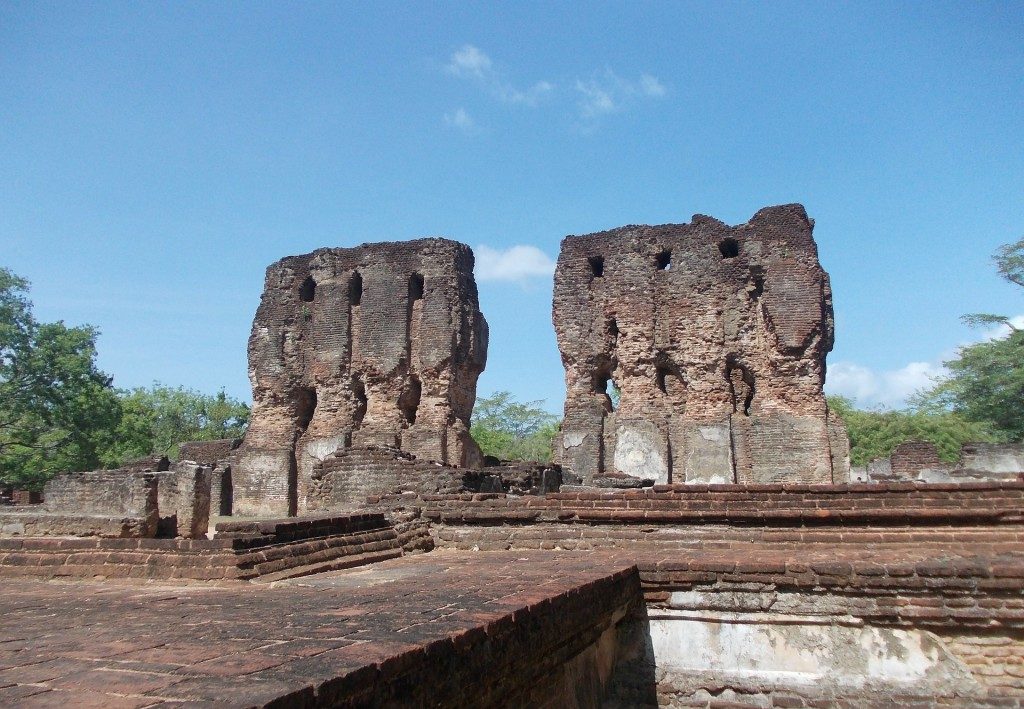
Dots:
pixel 303 641
pixel 325 638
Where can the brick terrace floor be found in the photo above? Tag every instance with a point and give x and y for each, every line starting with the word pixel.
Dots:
pixel 94 644
pixel 99 644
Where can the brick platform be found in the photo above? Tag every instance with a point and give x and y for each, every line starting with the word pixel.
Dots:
pixel 267 550
pixel 762 505
pixel 432 629
pixel 586 579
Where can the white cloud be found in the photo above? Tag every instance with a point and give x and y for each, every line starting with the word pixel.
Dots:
pixel 889 389
pixel 596 100
pixel 609 93
pixel 514 264
pixel 460 119
pixel 651 86
pixel 471 63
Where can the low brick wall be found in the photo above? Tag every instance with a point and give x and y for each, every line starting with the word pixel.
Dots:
pixel 107 503
pixel 209 453
pixel 103 492
pixel 279 549
pixel 35 521
pixel 888 625
pixel 907 592
pixel 892 504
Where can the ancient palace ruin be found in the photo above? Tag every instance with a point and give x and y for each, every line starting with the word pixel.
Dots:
pixel 380 344
pixel 714 340
pixel 410 573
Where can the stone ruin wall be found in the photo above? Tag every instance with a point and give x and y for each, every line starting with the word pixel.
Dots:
pixel 919 461
pixel 377 345
pixel 715 337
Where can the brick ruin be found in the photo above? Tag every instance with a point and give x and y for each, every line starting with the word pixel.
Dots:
pixel 918 461
pixel 380 344
pixel 423 579
pixel 714 338
pixel 144 499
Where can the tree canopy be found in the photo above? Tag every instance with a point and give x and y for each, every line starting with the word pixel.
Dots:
pixel 512 430
pixel 1009 259
pixel 986 380
pixel 59 412
pixel 57 409
pixel 155 420
pixel 874 434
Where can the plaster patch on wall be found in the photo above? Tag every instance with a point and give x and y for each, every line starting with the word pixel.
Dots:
pixel 571 440
pixel 779 650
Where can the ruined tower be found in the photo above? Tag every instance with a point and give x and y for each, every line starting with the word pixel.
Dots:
pixel 713 340
pixel 380 344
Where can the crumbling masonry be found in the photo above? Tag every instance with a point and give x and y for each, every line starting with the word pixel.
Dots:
pixel 714 339
pixel 380 345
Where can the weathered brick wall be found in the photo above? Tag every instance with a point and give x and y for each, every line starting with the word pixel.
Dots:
pixel 754 509
pixel 345 479
pixel 995 657
pixel 183 495
pixel 219 455
pixel 26 497
pixel 111 493
pixel 909 593
pixel 919 460
pixel 221 491
pixel 716 337
pixel 105 503
pixel 911 457
pixel 996 459
pixel 380 344
pixel 209 453
pixel 132 501
pixel 35 521
pixel 268 550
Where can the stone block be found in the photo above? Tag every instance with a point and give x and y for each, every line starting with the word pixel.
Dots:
pixel 184 500
pixel 641 450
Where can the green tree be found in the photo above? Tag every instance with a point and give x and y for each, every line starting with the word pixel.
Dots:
pixel 57 409
pixel 986 385
pixel 874 434
pixel 513 430
pixel 1009 260
pixel 157 419
pixel 986 380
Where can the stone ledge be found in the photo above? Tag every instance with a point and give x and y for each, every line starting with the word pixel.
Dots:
pixel 36 522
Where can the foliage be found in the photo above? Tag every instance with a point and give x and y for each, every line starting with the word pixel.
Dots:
pixel 1010 262
pixel 513 430
pixel 157 419
pixel 57 408
pixel 986 380
pixel 986 385
pixel 874 434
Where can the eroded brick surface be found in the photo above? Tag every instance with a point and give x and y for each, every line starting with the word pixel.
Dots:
pixel 475 630
pixel 715 337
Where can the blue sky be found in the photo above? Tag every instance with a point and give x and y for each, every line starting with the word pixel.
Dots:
pixel 156 157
